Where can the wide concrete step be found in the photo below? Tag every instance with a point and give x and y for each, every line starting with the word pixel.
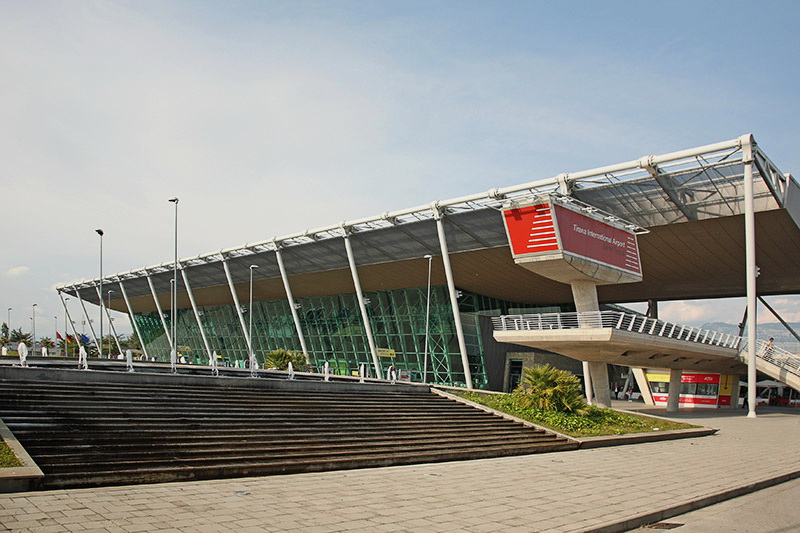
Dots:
pixel 92 462
pixel 269 437
pixel 97 453
pixel 256 468
pixel 167 441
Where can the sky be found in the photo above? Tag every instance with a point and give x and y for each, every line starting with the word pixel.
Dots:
pixel 269 117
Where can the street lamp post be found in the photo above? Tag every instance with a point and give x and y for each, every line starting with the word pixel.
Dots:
pixel 9 322
pixel 66 327
pixel 250 328
pixel 100 232
pixel 174 296
pixel 110 325
pixel 427 319
pixel 33 318
pixel 173 352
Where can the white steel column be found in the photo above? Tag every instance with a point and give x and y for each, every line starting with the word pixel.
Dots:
pixel 110 326
pixel 292 305
pixel 750 255
pixel 133 318
pixel 69 319
pixel 448 271
pixel 86 315
pixel 237 305
pixel 196 313
pixel 361 303
pixel 160 311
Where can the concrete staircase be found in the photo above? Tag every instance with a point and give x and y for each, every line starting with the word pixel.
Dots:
pixel 109 432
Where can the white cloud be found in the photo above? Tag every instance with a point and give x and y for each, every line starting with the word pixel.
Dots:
pixel 17 271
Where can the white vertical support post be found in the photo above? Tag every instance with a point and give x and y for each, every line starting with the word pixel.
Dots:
pixel 361 303
pixel 750 257
pixel 292 305
pixel 160 311
pixel 69 319
pixel 196 312
pixel 86 315
pixel 133 319
pixel 448 271
pixel 237 305
pixel 110 325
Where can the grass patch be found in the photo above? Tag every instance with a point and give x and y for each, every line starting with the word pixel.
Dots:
pixel 596 422
pixel 7 457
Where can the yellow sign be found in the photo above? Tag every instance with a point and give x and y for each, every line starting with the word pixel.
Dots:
pixel 657 377
pixel 385 352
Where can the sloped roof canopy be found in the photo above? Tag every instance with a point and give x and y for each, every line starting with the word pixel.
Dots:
pixel 691 201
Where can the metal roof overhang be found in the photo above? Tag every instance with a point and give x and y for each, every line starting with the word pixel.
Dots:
pixel 691 201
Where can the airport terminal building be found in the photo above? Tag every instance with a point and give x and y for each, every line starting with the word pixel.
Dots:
pixel 417 288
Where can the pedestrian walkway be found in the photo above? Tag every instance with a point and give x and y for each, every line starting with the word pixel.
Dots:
pixel 601 489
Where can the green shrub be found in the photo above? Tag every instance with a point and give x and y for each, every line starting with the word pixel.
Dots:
pixel 7 457
pixel 280 359
pixel 546 387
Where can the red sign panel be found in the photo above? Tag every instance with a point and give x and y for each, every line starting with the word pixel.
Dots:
pixel 545 228
pixel 699 378
pixel 531 229
pixel 595 240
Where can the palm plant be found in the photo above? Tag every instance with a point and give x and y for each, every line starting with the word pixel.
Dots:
pixel 47 342
pixel 547 387
pixel 280 359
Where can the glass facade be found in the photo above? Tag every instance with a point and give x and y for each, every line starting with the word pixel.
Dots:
pixel 334 332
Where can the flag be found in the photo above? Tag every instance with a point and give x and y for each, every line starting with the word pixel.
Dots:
pixel 59 337
pixel 70 338
pixel 84 338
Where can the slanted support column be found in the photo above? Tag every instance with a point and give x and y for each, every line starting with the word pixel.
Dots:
pixel 160 311
pixel 110 326
pixel 673 400
pixel 292 304
pixel 750 256
pixel 595 374
pixel 451 288
pixel 133 319
pixel 361 303
pixel 69 319
pixel 88 320
pixel 196 312
pixel 238 306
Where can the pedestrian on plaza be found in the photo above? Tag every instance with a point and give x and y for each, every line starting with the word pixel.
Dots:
pixel 616 392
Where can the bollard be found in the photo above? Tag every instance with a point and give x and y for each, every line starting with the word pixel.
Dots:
pixel 325 371
pixel 22 350
pixel 361 373
pixel 213 364
pixel 129 360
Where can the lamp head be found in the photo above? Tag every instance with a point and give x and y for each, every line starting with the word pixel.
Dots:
pixel 428 257
pixel 253 266
pixel 174 200
pixel 99 232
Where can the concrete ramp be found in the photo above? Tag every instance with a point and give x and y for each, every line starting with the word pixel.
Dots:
pixel 777 363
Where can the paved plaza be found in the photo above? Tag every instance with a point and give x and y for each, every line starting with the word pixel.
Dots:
pixel 602 489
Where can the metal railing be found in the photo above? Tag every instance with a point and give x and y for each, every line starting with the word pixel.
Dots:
pixel 776 356
pixel 617 320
